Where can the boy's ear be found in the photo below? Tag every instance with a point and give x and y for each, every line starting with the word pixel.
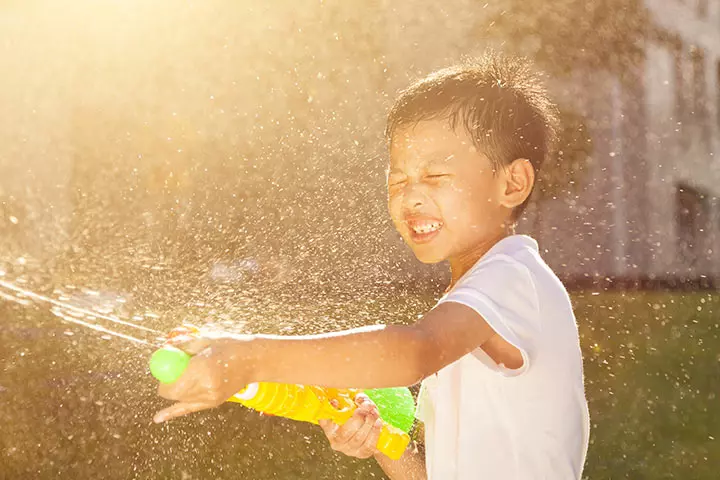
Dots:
pixel 519 180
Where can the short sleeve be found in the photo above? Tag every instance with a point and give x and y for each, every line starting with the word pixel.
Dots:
pixel 423 411
pixel 502 291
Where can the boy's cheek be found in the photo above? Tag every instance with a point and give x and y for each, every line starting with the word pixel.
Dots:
pixel 401 230
pixel 395 210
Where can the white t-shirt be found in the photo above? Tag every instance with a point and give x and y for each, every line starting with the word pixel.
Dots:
pixel 483 421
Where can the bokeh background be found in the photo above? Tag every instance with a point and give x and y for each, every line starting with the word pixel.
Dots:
pixel 223 162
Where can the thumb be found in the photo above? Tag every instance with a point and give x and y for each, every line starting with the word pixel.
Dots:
pixel 178 410
pixel 193 344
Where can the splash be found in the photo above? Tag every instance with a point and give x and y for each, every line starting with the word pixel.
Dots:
pixel 74 314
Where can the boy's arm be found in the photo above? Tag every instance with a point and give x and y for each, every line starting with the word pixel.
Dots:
pixel 373 357
pixel 411 466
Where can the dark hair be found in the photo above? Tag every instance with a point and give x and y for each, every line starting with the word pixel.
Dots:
pixel 499 100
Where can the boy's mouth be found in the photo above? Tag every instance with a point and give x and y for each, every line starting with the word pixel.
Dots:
pixel 423 230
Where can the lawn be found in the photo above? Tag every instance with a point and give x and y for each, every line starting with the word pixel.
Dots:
pixel 652 370
pixel 77 406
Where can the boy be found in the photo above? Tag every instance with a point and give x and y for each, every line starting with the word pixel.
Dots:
pixel 499 355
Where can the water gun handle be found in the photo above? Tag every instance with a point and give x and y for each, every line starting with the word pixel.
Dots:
pixel 310 404
pixel 297 402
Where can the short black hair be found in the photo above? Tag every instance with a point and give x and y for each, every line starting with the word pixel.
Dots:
pixel 500 101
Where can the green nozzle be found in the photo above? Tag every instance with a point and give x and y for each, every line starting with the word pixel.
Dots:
pixel 396 406
pixel 168 363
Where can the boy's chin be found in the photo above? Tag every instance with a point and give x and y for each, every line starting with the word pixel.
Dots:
pixel 429 257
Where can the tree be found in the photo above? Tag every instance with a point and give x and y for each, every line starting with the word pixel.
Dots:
pixel 575 38
pixel 563 35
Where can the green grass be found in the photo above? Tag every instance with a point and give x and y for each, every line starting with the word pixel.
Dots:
pixel 80 407
pixel 652 373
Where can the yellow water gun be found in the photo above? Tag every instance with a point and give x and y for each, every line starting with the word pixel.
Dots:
pixel 304 403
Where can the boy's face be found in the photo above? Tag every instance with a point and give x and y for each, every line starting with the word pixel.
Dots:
pixel 443 196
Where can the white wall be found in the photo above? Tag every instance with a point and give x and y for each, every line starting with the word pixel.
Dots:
pixel 682 156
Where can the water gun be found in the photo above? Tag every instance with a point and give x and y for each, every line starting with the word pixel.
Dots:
pixel 305 403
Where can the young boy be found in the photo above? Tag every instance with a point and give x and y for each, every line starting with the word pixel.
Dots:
pixel 499 356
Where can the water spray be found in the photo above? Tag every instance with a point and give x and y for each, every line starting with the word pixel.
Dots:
pixel 396 406
pixel 82 311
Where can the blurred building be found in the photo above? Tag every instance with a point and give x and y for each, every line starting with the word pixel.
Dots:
pixel 225 128
pixel 682 82
pixel 649 211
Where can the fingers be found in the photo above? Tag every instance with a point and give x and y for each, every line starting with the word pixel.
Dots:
pixel 361 399
pixel 206 382
pixel 165 390
pixel 192 339
pixel 358 437
pixel 184 330
pixel 190 344
pixel 369 446
pixel 189 390
pixel 182 387
pixel 178 410
pixel 329 427
pixel 350 428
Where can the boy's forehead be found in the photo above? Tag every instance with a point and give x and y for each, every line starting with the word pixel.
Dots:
pixel 428 131
pixel 431 140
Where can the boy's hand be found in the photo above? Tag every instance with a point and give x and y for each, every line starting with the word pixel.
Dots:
pixel 215 373
pixel 358 436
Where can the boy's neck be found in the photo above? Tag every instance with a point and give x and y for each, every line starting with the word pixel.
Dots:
pixel 462 263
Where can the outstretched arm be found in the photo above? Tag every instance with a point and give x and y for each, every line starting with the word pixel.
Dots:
pixel 373 357
pixel 370 357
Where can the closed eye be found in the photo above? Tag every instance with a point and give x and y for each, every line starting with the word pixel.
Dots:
pixel 394 181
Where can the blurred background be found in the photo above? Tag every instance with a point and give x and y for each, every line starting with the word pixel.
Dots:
pixel 223 162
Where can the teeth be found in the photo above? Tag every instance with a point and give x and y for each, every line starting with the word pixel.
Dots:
pixel 426 227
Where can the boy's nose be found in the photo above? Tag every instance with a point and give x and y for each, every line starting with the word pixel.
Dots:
pixel 414 198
